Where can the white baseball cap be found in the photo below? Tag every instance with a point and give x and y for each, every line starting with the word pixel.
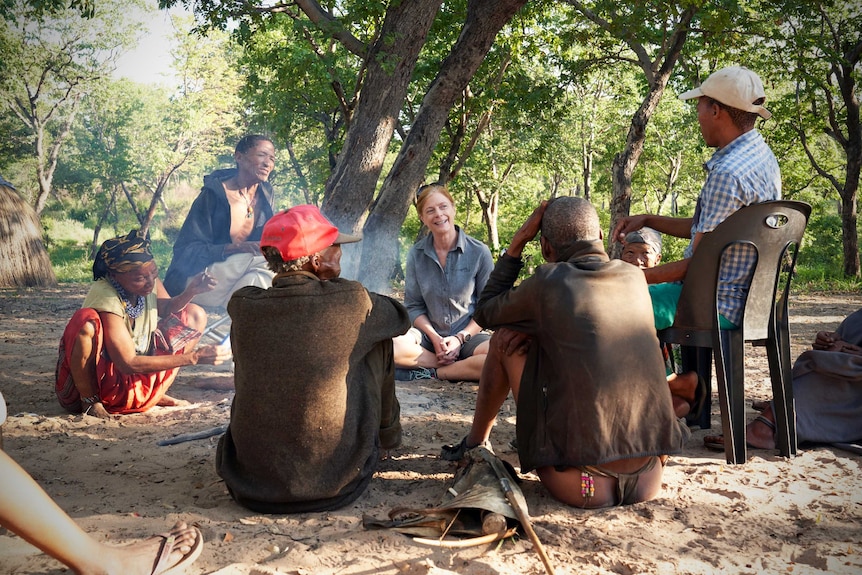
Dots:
pixel 735 86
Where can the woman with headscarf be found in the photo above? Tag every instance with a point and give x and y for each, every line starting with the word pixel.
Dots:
pixel 121 351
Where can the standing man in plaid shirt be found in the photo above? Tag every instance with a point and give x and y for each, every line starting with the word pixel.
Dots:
pixel 742 171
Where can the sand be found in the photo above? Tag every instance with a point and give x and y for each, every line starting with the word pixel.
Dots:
pixel 770 515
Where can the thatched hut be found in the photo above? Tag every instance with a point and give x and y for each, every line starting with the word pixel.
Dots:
pixel 24 261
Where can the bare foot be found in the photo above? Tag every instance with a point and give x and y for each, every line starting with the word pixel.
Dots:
pixel 759 405
pixel 760 434
pixel 217 383
pixel 683 385
pixel 140 558
pixel 96 410
pixel 168 401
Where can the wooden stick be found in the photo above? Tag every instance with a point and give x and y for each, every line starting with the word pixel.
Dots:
pixel 525 522
pixel 193 436
pixel 467 542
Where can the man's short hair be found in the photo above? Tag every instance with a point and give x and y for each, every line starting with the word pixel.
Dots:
pixel 568 220
pixel 740 118
pixel 249 141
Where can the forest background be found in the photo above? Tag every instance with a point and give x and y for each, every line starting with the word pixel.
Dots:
pixel 506 101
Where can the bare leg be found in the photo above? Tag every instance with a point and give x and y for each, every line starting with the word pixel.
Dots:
pixel 467 369
pixel 25 509
pixel 503 373
pixel 196 318
pixel 500 374
pixel 683 387
pixel 82 364
pixel 409 354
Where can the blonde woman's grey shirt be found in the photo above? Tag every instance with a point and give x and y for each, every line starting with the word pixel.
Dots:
pixel 447 296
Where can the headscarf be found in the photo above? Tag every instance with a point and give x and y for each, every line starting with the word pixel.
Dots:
pixel 122 254
pixel 646 236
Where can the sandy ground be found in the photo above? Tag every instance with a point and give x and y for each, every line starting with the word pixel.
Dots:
pixel 771 515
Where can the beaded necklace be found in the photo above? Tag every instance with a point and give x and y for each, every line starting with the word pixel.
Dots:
pixel 249 203
pixel 134 311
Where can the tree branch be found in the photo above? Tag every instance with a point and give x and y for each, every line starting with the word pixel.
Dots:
pixel 331 25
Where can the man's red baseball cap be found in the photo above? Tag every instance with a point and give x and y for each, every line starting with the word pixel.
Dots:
pixel 302 231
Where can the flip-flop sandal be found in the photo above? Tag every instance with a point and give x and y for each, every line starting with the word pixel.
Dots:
pixel 716 442
pixel 167 547
pixel 766 422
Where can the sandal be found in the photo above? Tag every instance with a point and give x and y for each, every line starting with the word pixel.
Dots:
pixel 161 566
pixel 716 442
pixel 457 452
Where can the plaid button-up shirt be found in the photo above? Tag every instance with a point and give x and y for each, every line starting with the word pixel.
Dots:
pixel 742 173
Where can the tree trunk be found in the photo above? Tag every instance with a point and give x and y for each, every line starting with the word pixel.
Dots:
pixel 490 209
pixel 850 239
pixel 587 167
pixel 96 244
pixel 132 203
pixel 351 186
pixel 625 162
pixel 853 149
pixel 850 193
pixel 484 20
pixel 24 262
pixel 297 168
pixel 46 166
pixel 157 195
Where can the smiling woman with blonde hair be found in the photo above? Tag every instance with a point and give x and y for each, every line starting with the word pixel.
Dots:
pixel 446 271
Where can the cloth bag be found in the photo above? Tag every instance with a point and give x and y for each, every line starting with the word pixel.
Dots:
pixel 474 505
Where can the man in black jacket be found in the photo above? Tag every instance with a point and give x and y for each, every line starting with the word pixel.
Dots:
pixel 221 233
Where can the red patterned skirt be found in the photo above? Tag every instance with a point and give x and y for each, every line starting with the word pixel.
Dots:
pixel 120 393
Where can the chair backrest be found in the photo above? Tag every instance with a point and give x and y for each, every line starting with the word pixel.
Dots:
pixel 772 228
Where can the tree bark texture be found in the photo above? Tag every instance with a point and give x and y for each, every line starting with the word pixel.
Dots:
pixel 485 18
pixel 626 161
pixel 391 60
pixel 853 148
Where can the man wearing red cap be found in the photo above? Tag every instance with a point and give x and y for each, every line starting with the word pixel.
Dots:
pixel 314 375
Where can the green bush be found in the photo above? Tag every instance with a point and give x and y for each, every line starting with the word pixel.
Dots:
pixel 70 261
pixel 68 245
